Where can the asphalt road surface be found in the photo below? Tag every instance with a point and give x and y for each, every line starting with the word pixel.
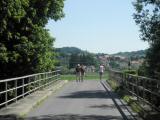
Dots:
pixel 87 100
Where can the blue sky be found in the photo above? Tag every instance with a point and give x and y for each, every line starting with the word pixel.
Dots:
pixel 104 26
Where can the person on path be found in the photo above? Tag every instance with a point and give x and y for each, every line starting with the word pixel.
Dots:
pixel 101 71
pixel 82 72
pixel 78 73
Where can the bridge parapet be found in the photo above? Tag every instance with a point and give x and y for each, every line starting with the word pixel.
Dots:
pixel 144 89
pixel 14 89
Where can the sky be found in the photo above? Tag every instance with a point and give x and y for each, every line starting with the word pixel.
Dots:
pixel 98 26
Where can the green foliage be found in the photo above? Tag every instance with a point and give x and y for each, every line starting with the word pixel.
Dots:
pixel 84 58
pixel 134 55
pixel 69 50
pixel 148 18
pixel 133 72
pixel 71 56
pixel 142 71
pixel 114 65
pixel 25 45
pixel 66 70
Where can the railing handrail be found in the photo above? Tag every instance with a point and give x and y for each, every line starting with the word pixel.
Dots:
pixel 26 76
pixel 143 77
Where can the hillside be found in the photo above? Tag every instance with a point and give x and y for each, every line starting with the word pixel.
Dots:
pixel 75 50
pixel 71 56
pixel 134 54
pixel 69 50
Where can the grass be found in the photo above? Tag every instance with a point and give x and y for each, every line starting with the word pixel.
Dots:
pixel 113 84
pixel 68 77
pixel 88 76
pixel 123 95
pixel 134 104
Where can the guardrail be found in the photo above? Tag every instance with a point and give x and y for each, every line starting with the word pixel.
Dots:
pixel 13 89
pixel 145 89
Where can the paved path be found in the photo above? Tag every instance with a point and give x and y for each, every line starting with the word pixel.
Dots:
pixel 77 101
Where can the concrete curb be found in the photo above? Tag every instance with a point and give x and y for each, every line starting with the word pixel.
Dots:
pixel 22 107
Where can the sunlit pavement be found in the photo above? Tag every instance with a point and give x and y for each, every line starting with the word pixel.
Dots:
pixel 86 100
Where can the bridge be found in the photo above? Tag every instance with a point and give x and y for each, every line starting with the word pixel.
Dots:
pixel 44 96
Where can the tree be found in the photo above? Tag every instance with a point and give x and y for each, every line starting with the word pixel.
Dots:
pixel 74 60
pixel 25 45
pixel 148 18
pixel 84 58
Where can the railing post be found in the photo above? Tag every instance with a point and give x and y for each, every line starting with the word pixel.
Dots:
pixel 53 76
pixel 152 85
pixel 23 87
pixel 34 84
pixel 44 79
pixel 6 94
pixel 56 75
pixel 47 77
pixel 144 83
pixel 16 90
pixel 29 85
pixel 50 74
pixel 126 80
pixel 59 74
pixel 39 82
pixel 133 82
pixel 137 85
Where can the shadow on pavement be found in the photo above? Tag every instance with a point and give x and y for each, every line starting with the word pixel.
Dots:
pixel 104 106
pixel 75 117
pixel 8 117
pixel 88 94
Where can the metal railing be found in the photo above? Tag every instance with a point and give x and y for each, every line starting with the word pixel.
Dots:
pixel 14 89
pixel 145 89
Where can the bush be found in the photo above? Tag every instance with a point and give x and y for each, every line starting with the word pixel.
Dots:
pixel 133 72
pixel 65 70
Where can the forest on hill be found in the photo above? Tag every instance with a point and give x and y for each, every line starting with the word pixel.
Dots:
pixel 75 50
pixel 135 54
pixel 68 50
pixel 69 57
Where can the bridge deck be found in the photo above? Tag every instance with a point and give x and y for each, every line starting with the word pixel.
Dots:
pixel 87 100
